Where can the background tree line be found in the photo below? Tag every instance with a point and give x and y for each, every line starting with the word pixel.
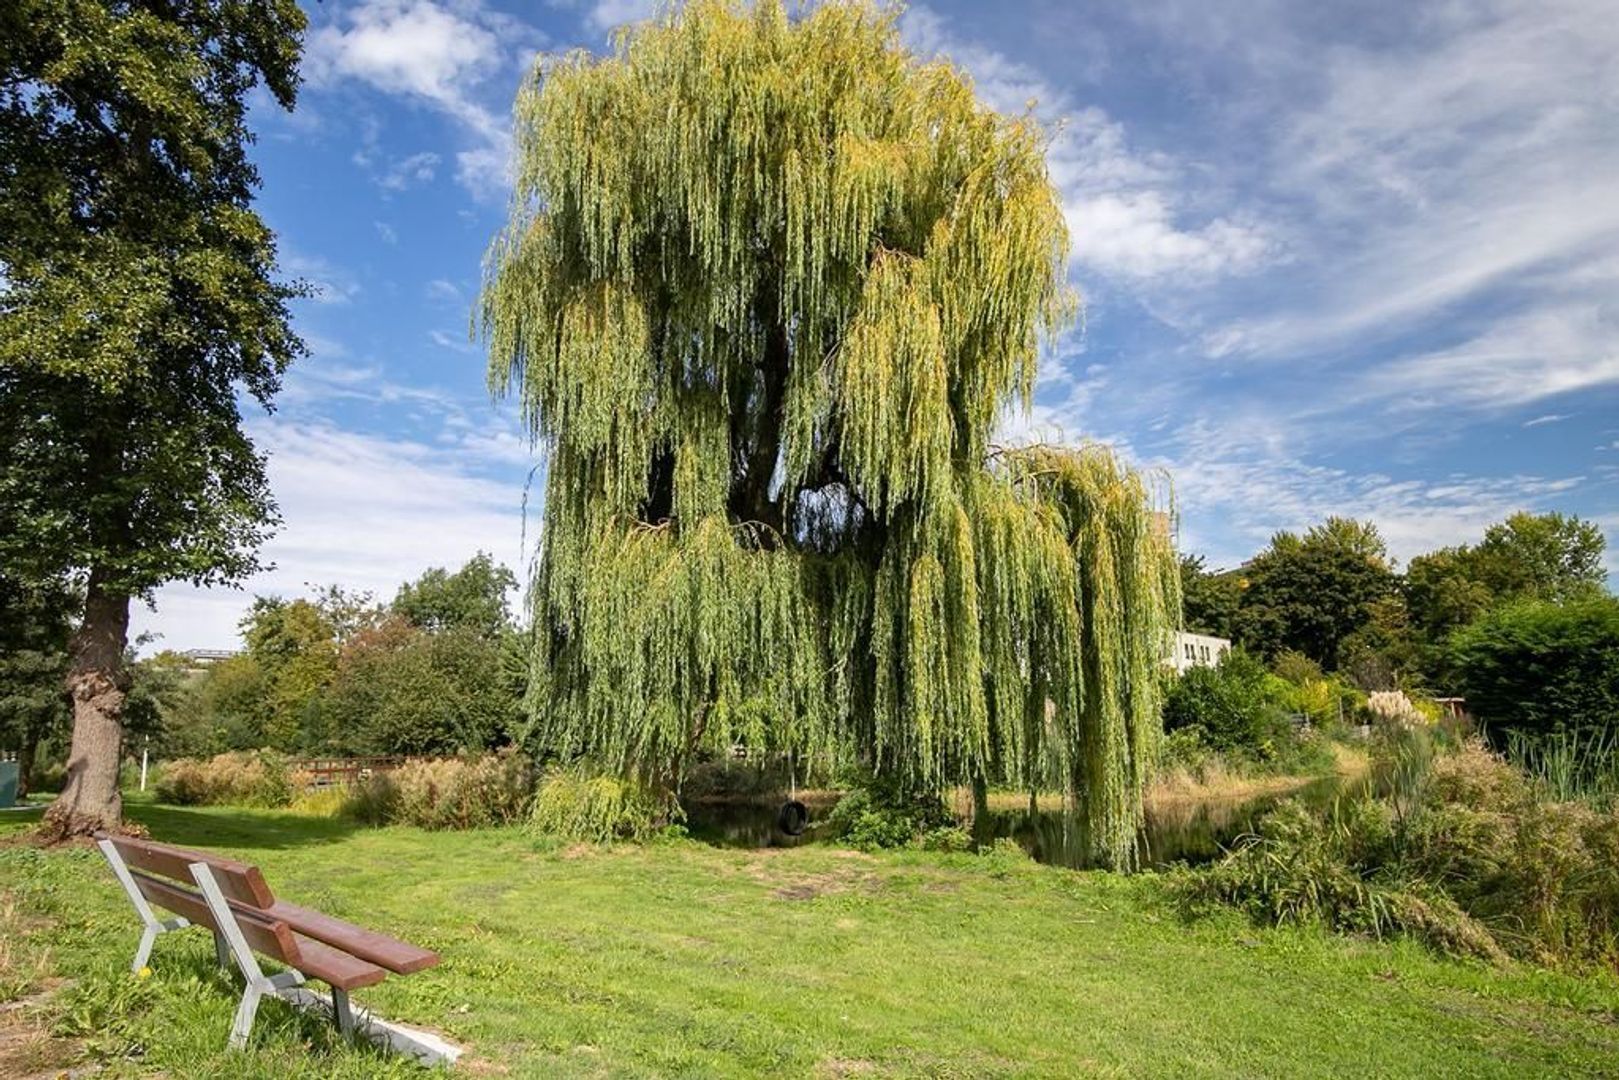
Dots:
pixel 1520 624
pixel 441 668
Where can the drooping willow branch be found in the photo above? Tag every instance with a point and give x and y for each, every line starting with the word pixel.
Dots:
pixel 769 285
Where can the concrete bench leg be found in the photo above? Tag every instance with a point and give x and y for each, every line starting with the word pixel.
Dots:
pixel 342 1013
pixel 151 925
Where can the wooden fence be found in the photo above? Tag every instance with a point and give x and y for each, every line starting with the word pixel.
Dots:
pixel 327 771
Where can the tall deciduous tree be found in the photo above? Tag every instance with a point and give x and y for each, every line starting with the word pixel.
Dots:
pixel 1552 557
pixel 1310 593
pixel 138 301
pixel 1209 599
pixel 767 288
pixel 471 598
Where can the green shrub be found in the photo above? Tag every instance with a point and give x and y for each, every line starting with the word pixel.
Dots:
pixel 241 778
pixel 371 799
pixel 947 838
pixel 1184 750
pixel 579 804
pixel 1540 668
pixel 1234 704
pixel 879 814
pixel 1475 864
pixel 319 802
pixel 1296 668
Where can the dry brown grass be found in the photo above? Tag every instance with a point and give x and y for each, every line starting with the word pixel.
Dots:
pixel 1215 781
pixel 27 1047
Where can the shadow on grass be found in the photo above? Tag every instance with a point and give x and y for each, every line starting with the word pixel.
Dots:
pixel 239 829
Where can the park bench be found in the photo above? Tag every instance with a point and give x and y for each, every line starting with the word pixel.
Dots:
pixel 233 900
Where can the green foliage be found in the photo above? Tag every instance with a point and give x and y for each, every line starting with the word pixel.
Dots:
pixel 1551 557
pixel 1310 594
pixel 247 778
pixel 336 674
pixel 1570 765
pixel 877 813
pixel 1231 706
pixel 1540 668
pixel 1472 862
pixel 472 598
pixel 1301 867
pixel 580 804
pixel 400 690
pixel 223 708
pixel 470 792
pixel 35 621
pixel 767 287
pixel 1296 668
pixel 140 301
pixel 1209 601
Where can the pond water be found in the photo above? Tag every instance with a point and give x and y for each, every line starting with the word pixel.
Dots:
pixel 1187 830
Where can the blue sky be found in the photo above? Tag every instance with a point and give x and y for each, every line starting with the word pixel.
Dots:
pixel 1351 259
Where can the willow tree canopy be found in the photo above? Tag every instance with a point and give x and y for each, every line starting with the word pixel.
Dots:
pixel 767 287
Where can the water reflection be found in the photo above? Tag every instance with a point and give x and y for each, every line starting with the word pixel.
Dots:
pixel 1180 830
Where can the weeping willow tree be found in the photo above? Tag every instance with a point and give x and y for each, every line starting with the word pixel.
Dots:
pixel 767 287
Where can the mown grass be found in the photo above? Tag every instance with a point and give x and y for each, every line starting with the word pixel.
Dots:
pixel 679 959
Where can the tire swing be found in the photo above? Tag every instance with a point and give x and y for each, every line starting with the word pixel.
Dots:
pixel 793 817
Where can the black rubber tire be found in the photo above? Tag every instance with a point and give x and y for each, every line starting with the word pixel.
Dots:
pixel 793 818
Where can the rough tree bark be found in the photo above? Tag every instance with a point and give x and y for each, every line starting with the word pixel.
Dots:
pixel 97 681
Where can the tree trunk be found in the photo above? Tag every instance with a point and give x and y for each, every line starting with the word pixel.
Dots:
pixel 980 809
pixel 97 682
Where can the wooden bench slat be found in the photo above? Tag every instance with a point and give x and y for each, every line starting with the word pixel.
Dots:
pixel 334 967
pixel 239 881
pixel 273 938
pixel 270 938
pixel 400 957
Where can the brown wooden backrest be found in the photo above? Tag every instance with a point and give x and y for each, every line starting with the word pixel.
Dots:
pixel 272 937
pixel 239 881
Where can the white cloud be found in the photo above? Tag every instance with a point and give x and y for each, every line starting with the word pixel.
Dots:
pixel 361 510
pixel 330 284
pixel 1234 494
pixel 1132 234
pixel 443 291
pixel 407 171
pixel 405 46
pixel 1549 418
pixel 385 232
pixel 448 56
pixel 1467 156
pixel 605 15
pixel 1125 212
pixel 455 344
pixel 1518 360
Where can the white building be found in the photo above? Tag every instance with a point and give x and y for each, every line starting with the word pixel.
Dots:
pixel 1197 650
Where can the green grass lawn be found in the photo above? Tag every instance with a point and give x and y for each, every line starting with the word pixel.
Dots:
pixel 679 959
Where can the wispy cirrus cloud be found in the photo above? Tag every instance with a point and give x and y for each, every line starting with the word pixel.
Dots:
pixel 1124 207
pixel 1465 164
pixel 366 511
